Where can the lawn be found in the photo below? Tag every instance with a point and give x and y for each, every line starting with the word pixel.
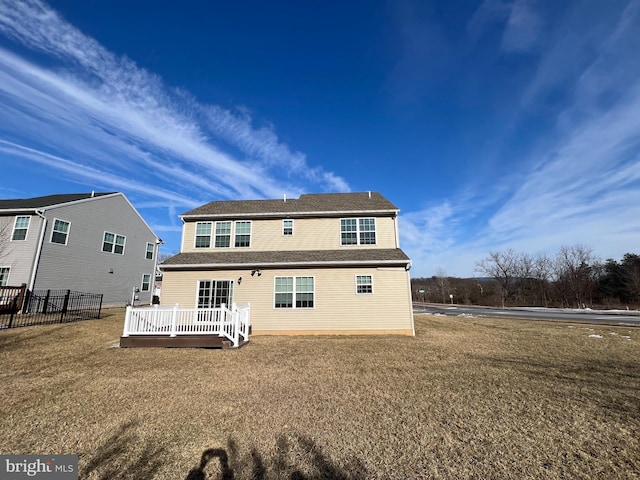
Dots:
pixel 464 398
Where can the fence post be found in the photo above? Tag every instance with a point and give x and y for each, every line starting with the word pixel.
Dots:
pixel 65 305
pixel 174 320
pixel 46 302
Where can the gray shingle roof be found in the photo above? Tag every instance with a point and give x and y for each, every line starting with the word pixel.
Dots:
pixel 307 203
pixel 46 201
pixel 252 259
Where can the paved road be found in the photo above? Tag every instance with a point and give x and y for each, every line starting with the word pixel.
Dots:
pixel 587 316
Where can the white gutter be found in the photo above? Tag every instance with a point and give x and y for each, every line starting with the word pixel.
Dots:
pixel 36 262
pixel 332 213
pixel 238 266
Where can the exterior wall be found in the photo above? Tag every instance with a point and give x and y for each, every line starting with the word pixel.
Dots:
pixel 82 265
pixel 308 234
pixel 337 307
pixel 19 254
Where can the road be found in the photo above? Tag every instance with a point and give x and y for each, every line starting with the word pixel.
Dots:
pixel 607 317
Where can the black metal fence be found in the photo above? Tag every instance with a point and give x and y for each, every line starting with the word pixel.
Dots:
pixel 20 307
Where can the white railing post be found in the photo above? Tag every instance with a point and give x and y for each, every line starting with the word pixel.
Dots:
pixel 174 320
pixel 127 320
pixel 235 317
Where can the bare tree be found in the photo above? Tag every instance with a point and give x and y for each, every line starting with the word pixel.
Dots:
pixel 542 272
pixel 443 283
pixel 573 270
pixel 503 268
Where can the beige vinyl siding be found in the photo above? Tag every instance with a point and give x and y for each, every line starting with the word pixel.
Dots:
pixel 308 234
pixel 337 307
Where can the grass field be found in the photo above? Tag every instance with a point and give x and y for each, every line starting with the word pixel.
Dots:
pixel 465 398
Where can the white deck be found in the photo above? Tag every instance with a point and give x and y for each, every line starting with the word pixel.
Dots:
pixel 232 323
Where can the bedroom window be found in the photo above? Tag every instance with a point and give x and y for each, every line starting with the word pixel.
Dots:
pixel 20 228
pixel 223 234
pixel 60 232
pixel 203 235
pixel 358 231
pixel 243 234
pixel 113 243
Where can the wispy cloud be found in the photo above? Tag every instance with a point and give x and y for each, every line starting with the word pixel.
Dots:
pixel 581 180
pixel 102 111
pixel 519 20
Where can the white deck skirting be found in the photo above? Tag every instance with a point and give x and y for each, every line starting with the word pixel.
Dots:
pixel 232 323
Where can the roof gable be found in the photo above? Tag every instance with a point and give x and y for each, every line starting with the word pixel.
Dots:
pixel 322 203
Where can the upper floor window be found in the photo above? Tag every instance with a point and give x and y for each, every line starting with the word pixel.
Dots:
pixel 149 251
pixel 294 292
pixel 223 234
pixel 113 243
pixel 60 232
pixel 20 228
pixel 203 234
pixel 364 284
pixel 243 234
pixel 4 276
pixel 358 231
pixel 287 227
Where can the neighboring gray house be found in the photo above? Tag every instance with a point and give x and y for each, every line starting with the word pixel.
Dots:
pixel 87 242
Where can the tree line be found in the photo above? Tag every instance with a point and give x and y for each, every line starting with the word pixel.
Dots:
pixel 572 278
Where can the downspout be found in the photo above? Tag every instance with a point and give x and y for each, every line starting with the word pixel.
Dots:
pixel 36 262
pixel 395 227
pixel 155 268
pixel 413 326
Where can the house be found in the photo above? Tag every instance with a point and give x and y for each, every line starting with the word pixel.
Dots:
pixel 319 264
pixel 87 242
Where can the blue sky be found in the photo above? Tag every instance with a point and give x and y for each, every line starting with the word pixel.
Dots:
pixel 491 124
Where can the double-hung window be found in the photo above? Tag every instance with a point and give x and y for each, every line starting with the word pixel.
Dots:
pixel 113 243
pixel 358 231
pixel 149 251
pixel 20 228
pixel 203 235
pixel 60 232
pixel 4 276
pixel 287 227
pixel 223 234
pixel 364 284
pixel 294 292
pixel 243 234
pixel 146 282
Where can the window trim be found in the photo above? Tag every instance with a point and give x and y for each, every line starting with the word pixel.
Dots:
pixel 294 292
pixel 66 234
pixel 217 235
pixel 114 243
pixel 235 233
pixel 148 289
pixel 152 252
pixel 195 234
pixel 213 287
pixel 26 229
pixel 370 284
pixel 358 231
pixel 285 228
pixel 6 278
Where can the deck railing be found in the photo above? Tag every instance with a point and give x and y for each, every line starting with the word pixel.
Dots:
pixel 232 323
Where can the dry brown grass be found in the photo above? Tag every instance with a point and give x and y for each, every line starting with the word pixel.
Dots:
pixel 465 398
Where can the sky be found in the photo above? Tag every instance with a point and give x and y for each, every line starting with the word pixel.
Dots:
pixel 490 124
